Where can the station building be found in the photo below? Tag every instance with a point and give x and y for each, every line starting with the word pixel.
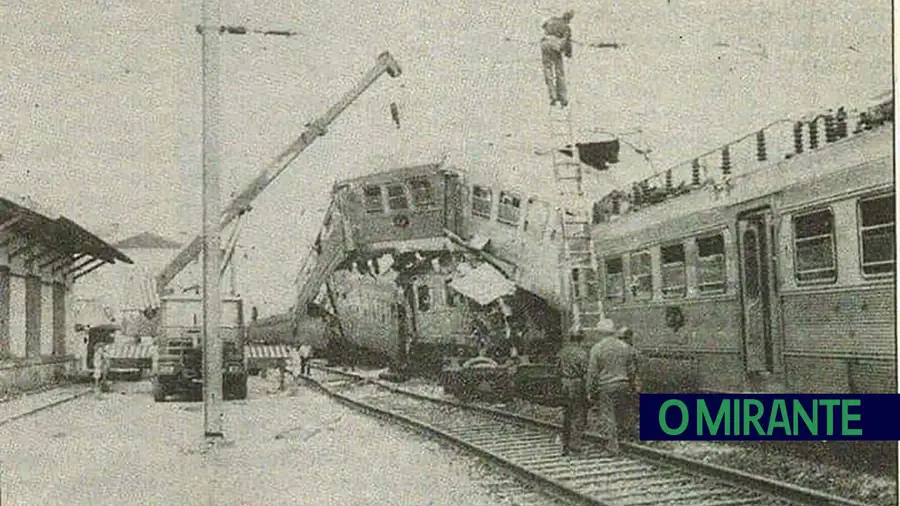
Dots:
pixel 42 256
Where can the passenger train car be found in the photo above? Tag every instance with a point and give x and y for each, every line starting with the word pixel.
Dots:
pixel 781 278
pixel 287 329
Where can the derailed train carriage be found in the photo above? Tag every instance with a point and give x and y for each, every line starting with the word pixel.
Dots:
pixel 426 267
pixel 408 288
pixel 780 278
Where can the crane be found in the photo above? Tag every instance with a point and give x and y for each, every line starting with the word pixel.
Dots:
pixel 175 357
pixel 241 203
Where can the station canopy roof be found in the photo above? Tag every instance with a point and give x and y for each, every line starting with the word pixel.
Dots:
pixel 55 232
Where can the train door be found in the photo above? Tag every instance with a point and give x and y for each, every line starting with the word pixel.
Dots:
pixel 453 203
pixel 756 258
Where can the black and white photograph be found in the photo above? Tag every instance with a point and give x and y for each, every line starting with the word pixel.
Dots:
pixel 410 252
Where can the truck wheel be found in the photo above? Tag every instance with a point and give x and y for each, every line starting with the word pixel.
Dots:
pixel 239 390
pixel 159 392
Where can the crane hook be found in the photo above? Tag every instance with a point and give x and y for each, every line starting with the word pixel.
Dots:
pixel 395 113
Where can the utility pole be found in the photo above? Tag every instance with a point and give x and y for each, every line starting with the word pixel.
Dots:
pixel 213 410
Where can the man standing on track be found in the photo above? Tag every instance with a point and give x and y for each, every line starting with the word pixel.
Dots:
pixel 556 43
pixel 305 356
pixel 100 368
pixel 573 363
pixel 612 365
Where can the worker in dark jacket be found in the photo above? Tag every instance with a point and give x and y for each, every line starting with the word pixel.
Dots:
pixel 612 364
pixel 630 431
pixel 573 362
pixel 556 43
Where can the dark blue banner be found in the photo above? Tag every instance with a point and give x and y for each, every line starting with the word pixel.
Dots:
pixel 772 417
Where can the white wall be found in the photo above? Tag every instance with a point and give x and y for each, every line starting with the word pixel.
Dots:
pixel 46 319
pixel 17 316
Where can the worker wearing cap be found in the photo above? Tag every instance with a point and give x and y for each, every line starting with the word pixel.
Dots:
pixel 611 368
pixel 556 43
pixel 573 363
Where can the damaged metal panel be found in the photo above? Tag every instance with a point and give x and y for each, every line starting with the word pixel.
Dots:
pixel 483 284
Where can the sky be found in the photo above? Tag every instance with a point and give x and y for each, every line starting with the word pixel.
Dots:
pixel 101 99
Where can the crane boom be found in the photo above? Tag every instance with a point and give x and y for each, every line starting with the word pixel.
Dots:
pixel 241 203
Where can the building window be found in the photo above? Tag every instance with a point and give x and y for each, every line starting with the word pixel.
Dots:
pixel 373 203
pixel 397 198
pixel 481 201
pixel 422 192
pixel 423 297
pixel 814 247
pixel 615 281
pixel 711 273
pixel 876 235
pixel 672 270
pixel 510 208
pixel 642 275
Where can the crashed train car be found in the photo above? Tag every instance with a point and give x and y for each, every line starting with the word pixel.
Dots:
pixel 422 264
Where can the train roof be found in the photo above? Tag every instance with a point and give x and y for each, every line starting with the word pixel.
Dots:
pixel 872 146
pixel 394 174
pixel 530 174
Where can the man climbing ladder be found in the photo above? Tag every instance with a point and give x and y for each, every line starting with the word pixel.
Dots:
pixel 557 42
pixel 578 258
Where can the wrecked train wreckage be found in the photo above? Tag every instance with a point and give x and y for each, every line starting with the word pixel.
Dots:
pixel 395 280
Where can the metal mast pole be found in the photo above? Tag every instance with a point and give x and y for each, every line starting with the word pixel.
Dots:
pixel 213 412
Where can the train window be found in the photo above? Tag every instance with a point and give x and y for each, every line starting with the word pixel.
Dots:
pixel 423 294
pixel 449 295
pixel 510 208
pixel 674 283
pixel 482 199
pixel 422 192
pixel 372 197
pixel 615 281
pixel 711 273
pixel 876 223
pixel 641 275
pixel 814 247
pixel 397 198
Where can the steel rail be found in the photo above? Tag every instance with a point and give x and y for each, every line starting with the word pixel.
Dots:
pixel 729 476
pixel 553 489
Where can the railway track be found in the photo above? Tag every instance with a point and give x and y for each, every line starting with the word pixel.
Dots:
pixel 528 448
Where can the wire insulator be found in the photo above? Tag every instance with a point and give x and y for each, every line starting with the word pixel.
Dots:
pixel 830 130
pixel 726 161
pixel 761 146
pixel 841 123
pixel 798 137
pixel 813 134
pixel 695 172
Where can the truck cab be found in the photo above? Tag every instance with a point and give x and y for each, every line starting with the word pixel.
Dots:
pixel 178 361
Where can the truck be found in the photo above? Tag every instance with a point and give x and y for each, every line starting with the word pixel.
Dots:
pixel 178 362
